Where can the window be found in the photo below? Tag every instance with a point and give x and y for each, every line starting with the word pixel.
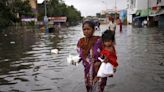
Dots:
pixel 133 3
pixel 158 1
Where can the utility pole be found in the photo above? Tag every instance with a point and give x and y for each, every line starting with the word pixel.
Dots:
pixel 45 16
pixel 45 7
pixel 105 10
pixel 115 5
pixel 148 11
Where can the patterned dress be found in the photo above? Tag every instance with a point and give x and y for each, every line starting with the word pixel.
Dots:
pixel 89 50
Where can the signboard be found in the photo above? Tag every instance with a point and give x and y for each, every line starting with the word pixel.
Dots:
pixel 58 19
pixel 29 19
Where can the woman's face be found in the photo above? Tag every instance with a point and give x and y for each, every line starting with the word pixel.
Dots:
pixel 87 30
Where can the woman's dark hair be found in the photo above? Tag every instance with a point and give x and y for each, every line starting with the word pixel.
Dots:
pixel 107 35
pixel 90 23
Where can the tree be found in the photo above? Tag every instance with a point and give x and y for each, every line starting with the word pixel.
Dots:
pixel 6 16
pixel 21 8
pixel 12 10
pixel 59 8
pixel 73 15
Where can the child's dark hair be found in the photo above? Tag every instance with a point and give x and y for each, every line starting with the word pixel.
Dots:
pixel 107 35
pixel 90 23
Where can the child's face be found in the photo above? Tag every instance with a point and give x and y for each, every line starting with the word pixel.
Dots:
pixel 87 30
pixel 108 43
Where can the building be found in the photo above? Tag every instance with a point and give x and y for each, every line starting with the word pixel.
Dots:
pixel 133 6
pixel 144 9
pixel 33 4
pixel 108 11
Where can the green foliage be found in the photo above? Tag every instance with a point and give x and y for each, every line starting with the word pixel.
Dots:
pixel 22 8
pixel 59 8
pixel 73 15
pixel 98 15
pixel 12 10
pixel 5 14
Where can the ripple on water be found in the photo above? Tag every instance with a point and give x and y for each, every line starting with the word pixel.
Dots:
pixel 33 68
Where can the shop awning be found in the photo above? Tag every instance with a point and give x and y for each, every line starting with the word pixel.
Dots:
pixel 144 12
pixel 138 12
pixel 158 13
pixel 139 17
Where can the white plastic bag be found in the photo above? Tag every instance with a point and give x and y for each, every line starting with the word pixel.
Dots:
pixel 105 70
pixel 73 59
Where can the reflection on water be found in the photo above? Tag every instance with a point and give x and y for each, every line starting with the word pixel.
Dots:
pixel 26 61
pixel 141 57
pixel 27 64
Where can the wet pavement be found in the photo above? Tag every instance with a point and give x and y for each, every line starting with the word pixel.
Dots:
pixel 27 64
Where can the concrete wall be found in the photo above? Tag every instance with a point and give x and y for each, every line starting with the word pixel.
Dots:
pixel 141 4
pixel 129 19
pixel 134 5
pixel 161 3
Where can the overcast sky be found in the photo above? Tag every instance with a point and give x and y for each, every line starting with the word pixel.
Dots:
pixel 91 7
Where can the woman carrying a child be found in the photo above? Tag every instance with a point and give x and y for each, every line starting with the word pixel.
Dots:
pixel 89 48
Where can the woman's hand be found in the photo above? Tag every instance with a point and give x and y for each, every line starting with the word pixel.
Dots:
pixel 79 60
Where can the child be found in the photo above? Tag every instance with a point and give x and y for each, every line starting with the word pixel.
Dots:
pixel 108 53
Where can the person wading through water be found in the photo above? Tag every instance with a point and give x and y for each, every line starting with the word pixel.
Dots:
pixel 89 48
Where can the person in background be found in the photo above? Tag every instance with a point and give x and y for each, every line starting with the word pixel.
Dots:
pixel 112 26
pixel 119 22
pixel 144 23
pixel 88 48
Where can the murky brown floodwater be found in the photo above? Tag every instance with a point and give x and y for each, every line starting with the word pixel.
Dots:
pixel 27 64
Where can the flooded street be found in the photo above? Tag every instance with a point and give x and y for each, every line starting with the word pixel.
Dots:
pixel 27 64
